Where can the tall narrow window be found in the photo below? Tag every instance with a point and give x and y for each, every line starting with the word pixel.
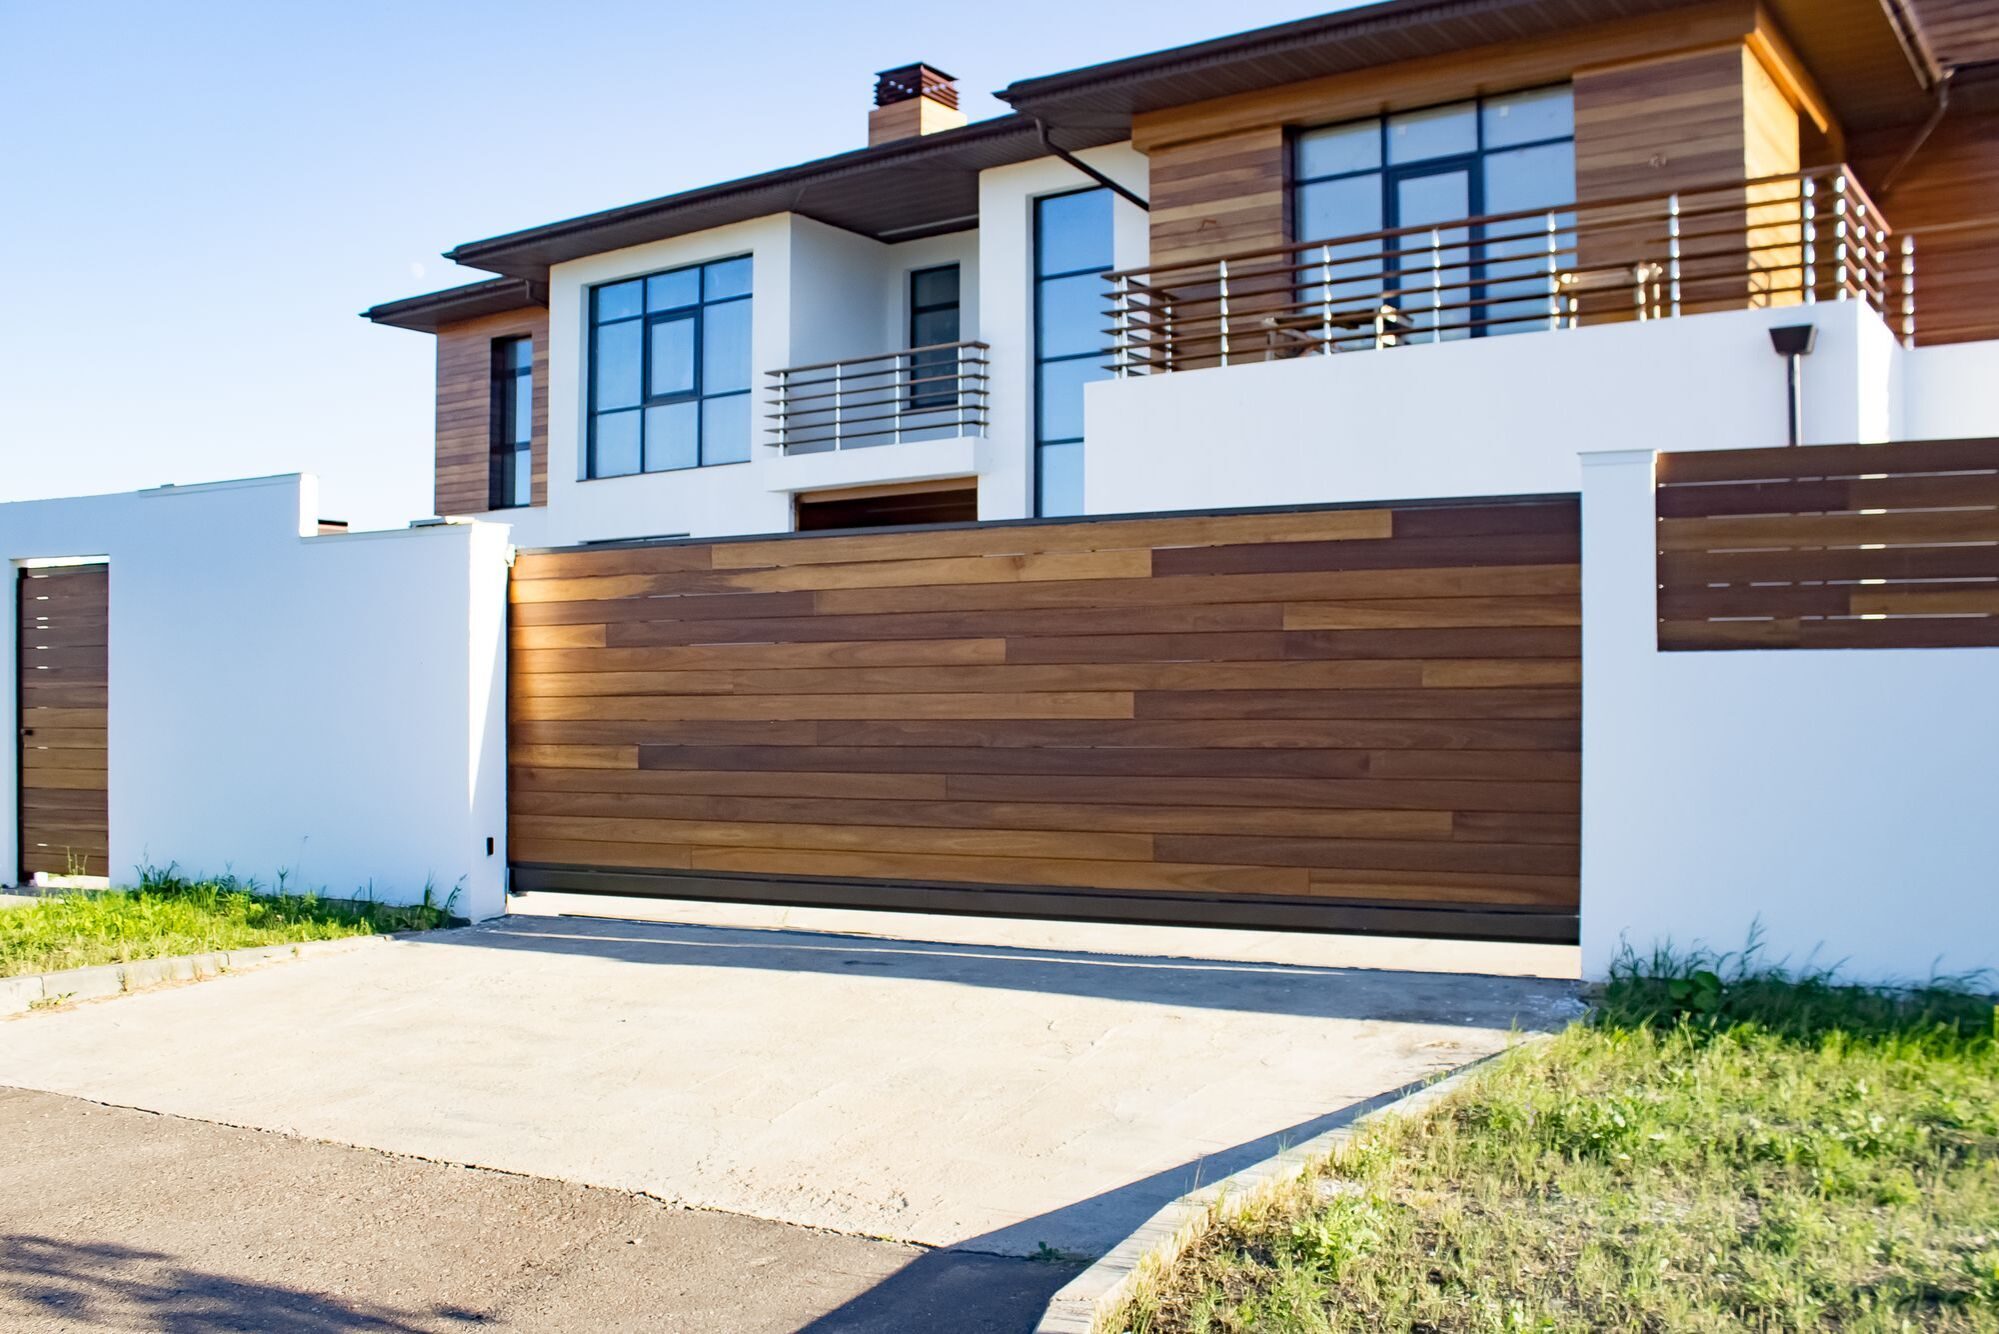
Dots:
pixel 1432 169
pixel 933 320
pixel 510 476
pixel 1072 252
pixel 670 370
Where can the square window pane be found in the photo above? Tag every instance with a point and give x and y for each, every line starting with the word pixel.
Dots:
pixel 1060 407
pixel 1072 232
pixel 672 357
pixel 1437 132
pixel 672 436
pixel 617 369
pixel 1350 207
pixel 1522 118
pixel 934 287
pixel 725 429
pixel 1072 314
pixel 1524 178
pixel 615 444
pixel 523 477
pixel 729 277
pixel 1058 479
pixel 521 426
pixel 670 291
pixel 725 348
pixel 931 327
pixel 1339 148
pixel 619 301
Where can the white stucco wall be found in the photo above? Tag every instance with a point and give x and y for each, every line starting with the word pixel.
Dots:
pixel 1950 392
pixel 1841 801
pixel 1006 302
pixel 1485 416
pixel 329 707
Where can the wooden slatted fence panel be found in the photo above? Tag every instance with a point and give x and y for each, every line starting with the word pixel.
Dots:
pixel 1830 546
pixel 61 627
pixel 1347 706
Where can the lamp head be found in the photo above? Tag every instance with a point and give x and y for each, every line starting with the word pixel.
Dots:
pixel 1794 340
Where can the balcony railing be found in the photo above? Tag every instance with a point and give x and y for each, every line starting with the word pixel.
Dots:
pixel 921 393
pixel 1777 240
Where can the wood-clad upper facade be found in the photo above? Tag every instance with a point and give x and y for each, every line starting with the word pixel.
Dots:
pixel 1694 96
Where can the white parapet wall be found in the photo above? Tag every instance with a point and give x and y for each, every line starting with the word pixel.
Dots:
pixel 1838 801
pixel 326 708
pixel 1509 415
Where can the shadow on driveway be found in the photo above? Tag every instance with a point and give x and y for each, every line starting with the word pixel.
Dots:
pixel 1388 996
pixel 1005 1294
pixel 124 1287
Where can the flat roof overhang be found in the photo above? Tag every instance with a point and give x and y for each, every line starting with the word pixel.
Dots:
pixel 1871 59
pixel 490 296
pixel 898 191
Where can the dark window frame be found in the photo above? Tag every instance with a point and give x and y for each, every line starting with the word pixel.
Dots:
pixel 695 311
pixel 1392 174
pixel 510 453
pixel 938 365
pixel 1041 280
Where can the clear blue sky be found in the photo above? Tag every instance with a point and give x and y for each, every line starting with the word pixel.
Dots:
pixel 196 199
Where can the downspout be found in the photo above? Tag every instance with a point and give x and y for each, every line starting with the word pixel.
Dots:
pixel 1922 136
pixel 1041 128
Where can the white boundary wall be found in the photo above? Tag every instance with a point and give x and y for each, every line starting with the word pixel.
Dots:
pixel 329 707
pixel 1841 799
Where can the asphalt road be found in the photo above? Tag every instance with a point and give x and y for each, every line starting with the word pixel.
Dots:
pixel 115 1219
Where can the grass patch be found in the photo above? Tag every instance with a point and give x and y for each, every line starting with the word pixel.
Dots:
pixel 168 915
pixel 1703 1153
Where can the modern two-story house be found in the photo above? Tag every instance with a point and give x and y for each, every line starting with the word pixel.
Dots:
pixel 1412 248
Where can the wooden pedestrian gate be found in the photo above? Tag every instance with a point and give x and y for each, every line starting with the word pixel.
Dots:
pixel 1342 718
pixel 62 618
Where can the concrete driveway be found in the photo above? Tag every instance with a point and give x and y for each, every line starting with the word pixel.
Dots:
pixel 991 1098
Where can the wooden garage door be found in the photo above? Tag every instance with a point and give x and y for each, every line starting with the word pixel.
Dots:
pixel 63 612
pixel 1342 718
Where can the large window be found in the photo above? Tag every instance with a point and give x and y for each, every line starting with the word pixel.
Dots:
pixel 510 425
pixel 1072 251
pixel 1429 169
pixel 670 370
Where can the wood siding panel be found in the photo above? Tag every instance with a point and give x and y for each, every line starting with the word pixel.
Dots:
pixel 1847 546
pixel 1947 197
pixel 1217 196
pixel 1395 727
pixel 464 407
pixel 62 623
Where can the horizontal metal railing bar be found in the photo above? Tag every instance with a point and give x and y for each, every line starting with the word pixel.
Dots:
pixel 791 441
pixel 932 384
pixel 1734 285
pixel 1263 281
pixel 860 379
pixel 784 419
pixel 880 356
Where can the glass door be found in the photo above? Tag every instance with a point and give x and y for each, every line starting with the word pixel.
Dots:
pixel 1433 293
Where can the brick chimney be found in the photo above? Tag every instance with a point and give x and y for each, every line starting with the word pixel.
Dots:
pixel 912 100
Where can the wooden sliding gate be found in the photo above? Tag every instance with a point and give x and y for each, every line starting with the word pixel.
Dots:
pixel 1343 718
pixel 62 619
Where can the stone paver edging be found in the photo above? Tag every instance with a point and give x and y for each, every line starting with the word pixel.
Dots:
pixel 1100 1290
pixel 21 994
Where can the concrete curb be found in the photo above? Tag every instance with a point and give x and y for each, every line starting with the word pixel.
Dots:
pixel 1098 1291
pixel 21 994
